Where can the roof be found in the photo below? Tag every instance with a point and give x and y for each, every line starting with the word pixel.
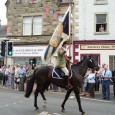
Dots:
pixel 3 31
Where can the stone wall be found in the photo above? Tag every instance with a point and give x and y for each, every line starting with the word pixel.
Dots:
pixel 16 11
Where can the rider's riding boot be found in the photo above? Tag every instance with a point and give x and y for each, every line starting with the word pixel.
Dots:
pixel 67 86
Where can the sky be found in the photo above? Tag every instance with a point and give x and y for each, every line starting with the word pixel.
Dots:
pixel 3 12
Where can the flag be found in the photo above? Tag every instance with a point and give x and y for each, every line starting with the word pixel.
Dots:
pixel 47 10
pixel 32 1
pixel 60 34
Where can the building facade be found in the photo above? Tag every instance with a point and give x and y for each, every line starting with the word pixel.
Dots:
pixel 30 27
pixel 96 34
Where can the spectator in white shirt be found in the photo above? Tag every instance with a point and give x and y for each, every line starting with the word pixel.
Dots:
pixel 91 81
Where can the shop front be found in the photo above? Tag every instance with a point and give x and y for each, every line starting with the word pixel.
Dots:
pixel 101 50
pixel 25 55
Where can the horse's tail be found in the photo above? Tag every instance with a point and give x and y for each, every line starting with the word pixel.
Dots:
pixel 30 85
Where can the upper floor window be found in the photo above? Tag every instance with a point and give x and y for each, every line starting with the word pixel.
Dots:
pixel 101 23
pixel 100 1
pixel 27 1
pixel 19 1
pixel 32 25
pixel 66 1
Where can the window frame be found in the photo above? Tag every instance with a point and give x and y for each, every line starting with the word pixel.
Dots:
pixel 100 2
pixel 107 22
pixel 32 25
pixel 19 1
pixel 88 54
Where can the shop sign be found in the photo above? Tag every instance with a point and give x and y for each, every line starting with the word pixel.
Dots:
pixel 29 51
pixel 97 47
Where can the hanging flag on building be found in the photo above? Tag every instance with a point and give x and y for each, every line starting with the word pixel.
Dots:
pixel 47 10
pixel 60 34
pixel 32 1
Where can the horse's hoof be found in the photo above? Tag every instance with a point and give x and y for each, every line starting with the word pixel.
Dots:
pixel 37 108
pixel 63 109
pixel 44 105
pixel 83 113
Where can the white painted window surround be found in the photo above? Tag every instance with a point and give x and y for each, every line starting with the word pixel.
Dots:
pixel 32 25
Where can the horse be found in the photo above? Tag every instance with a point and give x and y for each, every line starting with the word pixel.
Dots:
pixel 43 78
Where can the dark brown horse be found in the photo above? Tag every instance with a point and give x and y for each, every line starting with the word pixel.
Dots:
pixel 43 78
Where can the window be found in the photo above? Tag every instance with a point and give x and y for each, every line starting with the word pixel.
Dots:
pixel 112 62
pixel 37 25
pixel 101 23
pixel 100 1
pixel 66 1
pixel 19 1
pixel 32 25
pixel 94 56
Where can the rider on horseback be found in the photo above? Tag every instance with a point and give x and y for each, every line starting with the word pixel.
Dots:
pixel 62 59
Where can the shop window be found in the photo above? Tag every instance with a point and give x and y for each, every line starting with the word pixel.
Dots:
pixel 111 63
pixel 64 2
pixel 94 56
pixel 101 23
pixel 100 1
pixel 32 25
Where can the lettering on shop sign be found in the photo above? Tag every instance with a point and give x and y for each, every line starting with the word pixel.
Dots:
pixel 97 47
pixel 29 51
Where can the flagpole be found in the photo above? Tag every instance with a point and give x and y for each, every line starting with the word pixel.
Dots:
pixel 69 44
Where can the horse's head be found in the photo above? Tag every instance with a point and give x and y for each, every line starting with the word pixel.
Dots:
pixel 92 63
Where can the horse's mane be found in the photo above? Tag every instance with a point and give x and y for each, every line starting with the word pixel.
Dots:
pixel 79 63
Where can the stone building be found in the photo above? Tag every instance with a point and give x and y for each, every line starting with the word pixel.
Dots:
pixel 30 26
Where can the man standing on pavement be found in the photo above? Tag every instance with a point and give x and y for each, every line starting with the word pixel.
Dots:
pixel 106 76
pixel 8 76
pixel 22 74
pixel 113 78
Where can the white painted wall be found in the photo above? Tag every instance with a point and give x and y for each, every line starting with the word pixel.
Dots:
pixel 104 54
pixel 87 10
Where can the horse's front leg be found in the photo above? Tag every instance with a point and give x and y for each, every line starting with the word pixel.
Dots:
pixel 35 98
pixel 66 98
pixel 76 91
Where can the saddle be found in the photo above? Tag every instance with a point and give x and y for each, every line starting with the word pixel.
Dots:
pixel 57 73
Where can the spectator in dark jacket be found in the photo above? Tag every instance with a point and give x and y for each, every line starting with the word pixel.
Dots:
pixel 113 78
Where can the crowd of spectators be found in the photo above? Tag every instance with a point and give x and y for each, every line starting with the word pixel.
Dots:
pixel 93 79
pixel 15 77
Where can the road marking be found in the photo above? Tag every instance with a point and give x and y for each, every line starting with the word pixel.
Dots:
pixel 46 113
pixel 20 101
pixel 6 105
pixel 56 114
pixel 71 97
pixel 97 100
pixel 43 113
